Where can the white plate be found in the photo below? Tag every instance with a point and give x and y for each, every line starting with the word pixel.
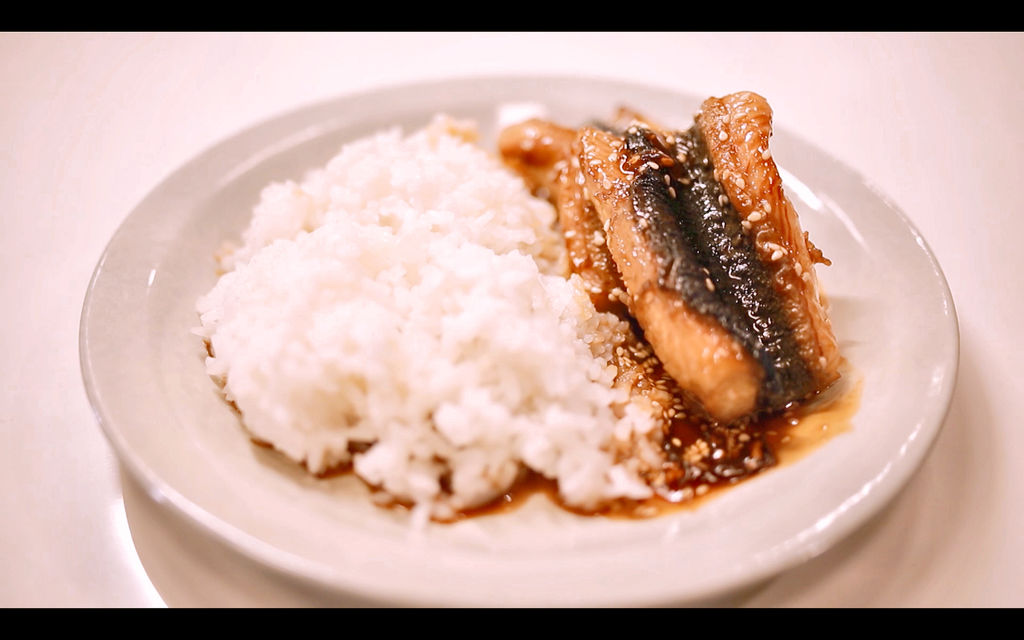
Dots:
pixel 143 371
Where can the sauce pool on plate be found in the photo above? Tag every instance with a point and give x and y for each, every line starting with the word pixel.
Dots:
pixel 786 438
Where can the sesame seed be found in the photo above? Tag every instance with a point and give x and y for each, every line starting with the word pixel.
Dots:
pixel 668 180
pixel 723 199
pixel 646 511
pixel 702 489
pixel 722 135
pixel 740 182
pixel 766 154
pixel 777 255
pixel 767 206
pixel 755 216
pixel 652 164
pixel 744 224
pixel 710 285
pixel 672 192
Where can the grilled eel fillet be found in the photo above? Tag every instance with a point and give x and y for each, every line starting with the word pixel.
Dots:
pixel 695 229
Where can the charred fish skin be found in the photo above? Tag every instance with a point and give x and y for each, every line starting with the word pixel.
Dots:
pixel 706 361
pixel 737 130
pixel 658 194
pixel 721 275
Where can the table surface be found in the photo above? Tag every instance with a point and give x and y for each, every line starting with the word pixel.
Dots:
pixel 92 122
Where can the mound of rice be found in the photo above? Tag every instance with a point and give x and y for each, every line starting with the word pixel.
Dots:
pixel 404 310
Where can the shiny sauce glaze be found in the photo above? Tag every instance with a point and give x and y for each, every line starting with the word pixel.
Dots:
pixel 690 477
pixel 692 473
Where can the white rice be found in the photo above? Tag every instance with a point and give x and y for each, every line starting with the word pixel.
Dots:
pixel 410 298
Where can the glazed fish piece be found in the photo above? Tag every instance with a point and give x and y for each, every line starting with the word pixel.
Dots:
pixel 671 296
pixel 725 294
pixel 539 151
pixel 737 128
pixel 547 155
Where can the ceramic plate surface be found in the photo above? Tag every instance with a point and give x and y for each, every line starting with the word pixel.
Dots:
pixel 143 370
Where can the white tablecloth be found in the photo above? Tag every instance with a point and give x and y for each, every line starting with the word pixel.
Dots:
pixel 91 122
